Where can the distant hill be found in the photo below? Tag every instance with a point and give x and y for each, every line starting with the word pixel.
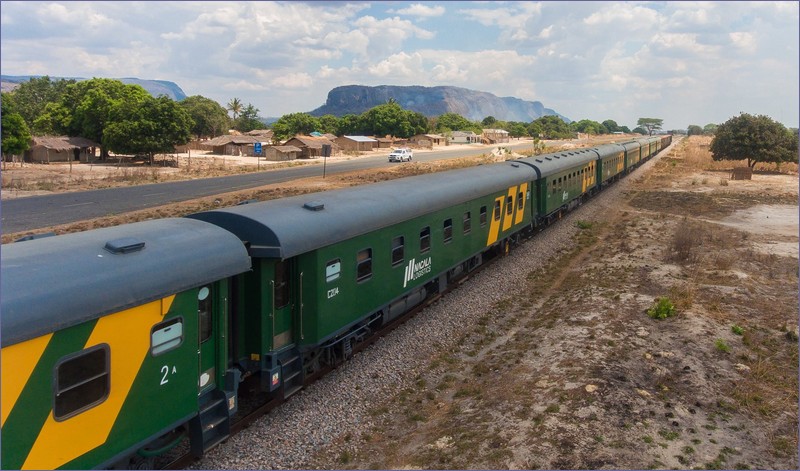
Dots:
pixel 155 87
pixel 432 101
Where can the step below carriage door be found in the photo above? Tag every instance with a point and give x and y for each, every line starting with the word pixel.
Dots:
pixel 282 305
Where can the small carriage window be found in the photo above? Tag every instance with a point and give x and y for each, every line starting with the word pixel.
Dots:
pixel 483 216
pixel 332 270
pixel 509 204
pixel 281 284
pixel 398 250
pixel 496 213
pixel 204 312
pixel 166 336
pixel 364 270
pixel 467 226
pixel 425 239
pixel 81 382
pixel 448 230
pixel 520 200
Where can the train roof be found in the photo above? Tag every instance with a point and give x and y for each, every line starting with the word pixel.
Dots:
pixel 287 227
pixel 630 145
pixel 549 164
pixel 51 283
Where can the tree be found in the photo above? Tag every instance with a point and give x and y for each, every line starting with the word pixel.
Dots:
pixel 611 126
pixel 588 126
pixel 455 122
pixel 289 125
pixel 650 124
pixel 235 107
pixel 329 124
pixel 488 121
pixel 709 128
pixel 550 127
pixel 390 119
pixel 640 130
pixel 85 107
pixel 694 130
pixel 516 129
pixel 209 118
pixel 31 98
pixel 152 126
pixel 755 138
pixel 248 119
pixel 15 134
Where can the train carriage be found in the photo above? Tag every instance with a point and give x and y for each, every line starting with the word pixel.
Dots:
pixel 101 331
pixel 330 267
pixel 611 163
pixel 633 156
pixel 562 181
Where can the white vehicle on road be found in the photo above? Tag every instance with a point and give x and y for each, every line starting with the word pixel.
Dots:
pixel 403 154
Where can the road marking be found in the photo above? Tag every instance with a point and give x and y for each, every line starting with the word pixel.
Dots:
pixel 155 194
pixel 77 204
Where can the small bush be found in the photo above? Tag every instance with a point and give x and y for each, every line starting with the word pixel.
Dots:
pixel 737 330
pixel 722 346
pixel 584 224
pixel 662 309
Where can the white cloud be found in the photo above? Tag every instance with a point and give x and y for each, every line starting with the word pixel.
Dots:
pixel 294 81
pixel 420 10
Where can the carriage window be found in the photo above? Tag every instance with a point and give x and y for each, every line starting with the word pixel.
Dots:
pixel 467 226
pixel 509 204
pixel 333 269
pixel 81 382
pixel 448 230
pixel 281 285
pixel 398 250
pixel 425 239
pixel 166 336
pixel 520 200
pixel 364 269
pixel 204 312
pixel 496 213
pixel 483 216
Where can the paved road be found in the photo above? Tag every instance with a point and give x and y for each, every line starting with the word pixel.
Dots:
pixel 25 214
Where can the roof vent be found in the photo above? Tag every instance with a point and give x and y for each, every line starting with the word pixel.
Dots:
pixel 548 158
pixel 314 206
pixel 124 245
pixel 515 165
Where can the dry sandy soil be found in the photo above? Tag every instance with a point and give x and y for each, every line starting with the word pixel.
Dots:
pixel 575 374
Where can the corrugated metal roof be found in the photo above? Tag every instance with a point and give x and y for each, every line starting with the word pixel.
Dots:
pixel 360 138
pixel 52 283
pixel 284 228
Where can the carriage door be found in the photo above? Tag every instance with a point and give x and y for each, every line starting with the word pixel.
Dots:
pixel 281 305
pixel 211 320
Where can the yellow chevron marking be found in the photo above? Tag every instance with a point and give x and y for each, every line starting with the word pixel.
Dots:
pixel 17 363
pixel 521 210
pixel 494 228
pixel 509 218
pixel 128 335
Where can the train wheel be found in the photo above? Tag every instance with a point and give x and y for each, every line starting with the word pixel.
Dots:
pixel 506 247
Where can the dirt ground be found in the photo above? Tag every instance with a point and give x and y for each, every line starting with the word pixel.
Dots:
pixel 575 374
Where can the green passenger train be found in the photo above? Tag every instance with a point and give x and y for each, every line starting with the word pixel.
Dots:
pixel 119 343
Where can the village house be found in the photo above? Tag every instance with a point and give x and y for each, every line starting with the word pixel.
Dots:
pixel 356 143
pixel 464 137
pixel 231 145
pixel 495 136
pixel 281 153
pixel 311 147
pixel 48 149
pixel 428 140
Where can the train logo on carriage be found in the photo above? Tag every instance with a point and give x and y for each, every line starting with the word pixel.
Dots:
pixel 415 270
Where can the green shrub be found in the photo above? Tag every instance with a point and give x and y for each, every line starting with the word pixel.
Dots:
pixel 722 346
pixel 737 330
pixel 661 309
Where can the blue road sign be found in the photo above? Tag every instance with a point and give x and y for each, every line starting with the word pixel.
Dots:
pixel 257 148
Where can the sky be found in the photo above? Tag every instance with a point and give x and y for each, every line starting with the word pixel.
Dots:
pixel 684 62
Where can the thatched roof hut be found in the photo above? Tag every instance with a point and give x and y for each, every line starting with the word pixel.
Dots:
pixel 60 149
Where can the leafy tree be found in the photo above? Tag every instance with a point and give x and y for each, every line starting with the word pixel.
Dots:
pixel 390 119
pixel 755 138
pixel 148 127
pixel 329 124
pixel 709 128
pixel 248 119
pixel 455 122
pixel 350 124
pixel 235 107
pixel 289 125
pixel 85 108
pixel 15 134
pixel 588 126
pixel 640 130
pixel 624 129
pixel 550 127
pixel 611 126
pixel 31 98
pixel 650 124
pixel 516 129
pixel 694 130
pixel 488 121
pixel 209 118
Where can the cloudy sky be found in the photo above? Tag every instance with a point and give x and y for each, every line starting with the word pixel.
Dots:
pixel 685 62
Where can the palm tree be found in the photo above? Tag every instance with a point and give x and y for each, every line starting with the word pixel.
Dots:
pixel 235 107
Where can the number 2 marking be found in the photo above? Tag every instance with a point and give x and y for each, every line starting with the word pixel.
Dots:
pixel 165 370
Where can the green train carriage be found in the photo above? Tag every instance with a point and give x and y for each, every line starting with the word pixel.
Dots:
pixel 110 342
pixel 328 268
